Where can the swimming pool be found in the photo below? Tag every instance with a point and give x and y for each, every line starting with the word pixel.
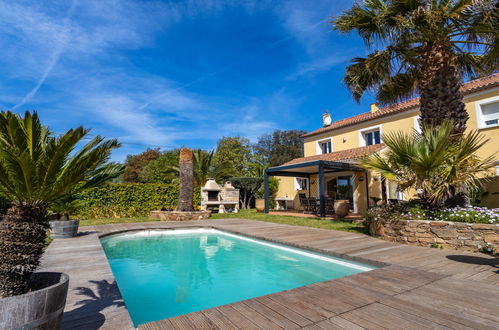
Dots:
pixel 164 273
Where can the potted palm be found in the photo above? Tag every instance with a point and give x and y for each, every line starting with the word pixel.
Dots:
pixel 62 226
pixel 36 169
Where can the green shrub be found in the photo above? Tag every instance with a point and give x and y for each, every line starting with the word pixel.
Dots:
pixel 129 200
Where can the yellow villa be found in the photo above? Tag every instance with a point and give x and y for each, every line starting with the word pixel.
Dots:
pixel 329 167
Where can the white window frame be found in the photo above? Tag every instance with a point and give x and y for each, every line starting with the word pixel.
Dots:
pixel 362 139
pixel 318 147
pixel 417 126
pixel 479 115
pixel 297 185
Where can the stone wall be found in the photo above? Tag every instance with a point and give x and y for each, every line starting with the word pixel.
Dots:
pixel 457 235
pixel 180 216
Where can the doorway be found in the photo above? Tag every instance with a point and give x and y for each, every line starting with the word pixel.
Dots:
pixel 341 187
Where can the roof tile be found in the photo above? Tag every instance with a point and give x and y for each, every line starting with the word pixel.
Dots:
pixel 344 155
pixel 466 88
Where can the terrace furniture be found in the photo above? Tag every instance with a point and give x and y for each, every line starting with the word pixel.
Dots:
pixel 284 203
pixel 314 205
pixel 329 206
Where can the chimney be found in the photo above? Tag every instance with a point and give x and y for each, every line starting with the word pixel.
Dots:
pixel 374 107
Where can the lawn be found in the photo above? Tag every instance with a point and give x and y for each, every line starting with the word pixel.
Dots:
pixel 253 215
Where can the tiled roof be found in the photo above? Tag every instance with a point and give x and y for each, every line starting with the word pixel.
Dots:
pixel 344 155
pixel 467 88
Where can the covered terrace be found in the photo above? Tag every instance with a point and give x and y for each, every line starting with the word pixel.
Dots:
pixel 320 169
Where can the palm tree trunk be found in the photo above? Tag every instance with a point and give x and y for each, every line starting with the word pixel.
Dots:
pixel 186 167
pixel 22 240
pixel 439 86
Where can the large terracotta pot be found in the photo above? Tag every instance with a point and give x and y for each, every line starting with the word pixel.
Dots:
pixel 341 207
pixel 376 228
pixel 260 204
pixel 40 308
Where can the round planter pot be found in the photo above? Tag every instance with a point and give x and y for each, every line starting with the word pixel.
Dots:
pixel 64 228
pixel 41 308
pixel 260 204
pixel 341 207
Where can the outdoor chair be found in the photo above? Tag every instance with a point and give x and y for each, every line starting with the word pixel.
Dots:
pixel 313 204
pixel 305 203
pixel 329 205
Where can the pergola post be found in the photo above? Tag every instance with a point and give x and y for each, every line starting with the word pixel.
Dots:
pixel 266 191
pixel 322 199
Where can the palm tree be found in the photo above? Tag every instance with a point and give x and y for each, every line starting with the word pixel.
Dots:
pixel 433 161
pixel 422 47
pixel 36 169
pixel 203 162
pixel 186 179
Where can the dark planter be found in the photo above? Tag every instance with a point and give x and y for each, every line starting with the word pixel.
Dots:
pixel 64 228
pixel 41 308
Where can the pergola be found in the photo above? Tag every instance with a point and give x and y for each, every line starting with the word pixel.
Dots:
pixel 307 168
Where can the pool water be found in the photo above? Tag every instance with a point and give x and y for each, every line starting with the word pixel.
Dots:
pixel 164 273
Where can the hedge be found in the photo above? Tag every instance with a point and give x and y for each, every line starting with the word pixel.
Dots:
pixel 120 200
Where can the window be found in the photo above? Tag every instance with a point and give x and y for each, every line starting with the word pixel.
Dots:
pixel 324 146
pixel 370 136
pixel 417 125
pixel 488 112
pixel 301 183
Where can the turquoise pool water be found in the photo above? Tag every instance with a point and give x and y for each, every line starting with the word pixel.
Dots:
pixel 171 272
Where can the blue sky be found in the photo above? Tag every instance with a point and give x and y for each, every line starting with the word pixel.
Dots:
pixel 176 73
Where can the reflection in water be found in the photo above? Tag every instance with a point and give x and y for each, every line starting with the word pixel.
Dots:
pixel 211 244
pixel 166 275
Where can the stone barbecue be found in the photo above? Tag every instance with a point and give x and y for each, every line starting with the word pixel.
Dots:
pixel 218 198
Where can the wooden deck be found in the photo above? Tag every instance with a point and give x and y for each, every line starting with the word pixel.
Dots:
pixel 421 288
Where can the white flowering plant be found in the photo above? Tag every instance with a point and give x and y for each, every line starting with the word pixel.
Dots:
pixel 471 214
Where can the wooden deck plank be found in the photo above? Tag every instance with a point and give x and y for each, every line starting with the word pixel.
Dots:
pixel 219 319
pixel 285 311
pixel 237 318
pixel 200 321
pixel 181 322
pixel 422 309
pixel 255 317
pixel 339 322
pixel 274 316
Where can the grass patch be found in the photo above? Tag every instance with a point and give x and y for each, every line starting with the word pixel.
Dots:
pixel 106 221
pixel 252 215
pixel 297 221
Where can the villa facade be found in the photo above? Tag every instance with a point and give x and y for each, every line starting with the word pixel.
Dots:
pixel 331 153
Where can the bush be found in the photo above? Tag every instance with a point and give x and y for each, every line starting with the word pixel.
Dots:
pixel 416 210
pixel 467 214
pixel 129 200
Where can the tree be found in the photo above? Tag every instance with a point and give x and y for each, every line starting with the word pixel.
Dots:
pixel 248 187
pixel 280 146
pixel 163 169
pixel 135 164
pixel 232 156
pixel 186 171
pixel 422 47
pixel 36 169
pixel 433 161
pixel 203 166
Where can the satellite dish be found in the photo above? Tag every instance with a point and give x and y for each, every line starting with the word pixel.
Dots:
pixel 326 119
